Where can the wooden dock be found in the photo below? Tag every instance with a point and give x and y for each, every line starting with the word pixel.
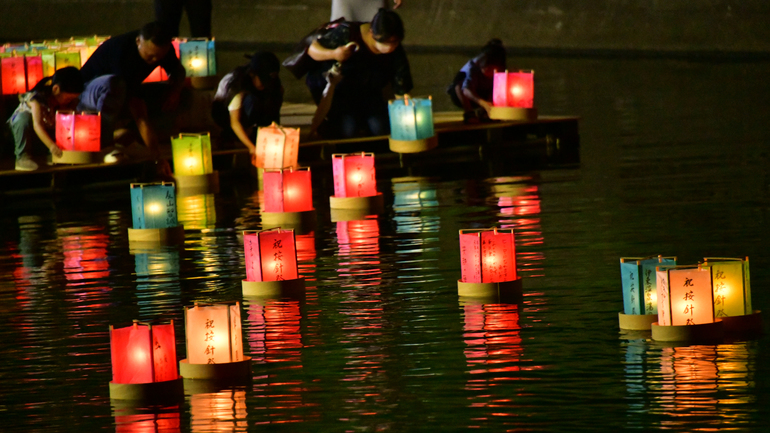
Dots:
pixel 549 140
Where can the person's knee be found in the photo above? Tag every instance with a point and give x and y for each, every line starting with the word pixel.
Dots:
pixel 21 123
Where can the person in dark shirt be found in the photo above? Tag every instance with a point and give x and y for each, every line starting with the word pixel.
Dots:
pixel 370 57
pixel 248 97
pixel 471 89
pixel 113 77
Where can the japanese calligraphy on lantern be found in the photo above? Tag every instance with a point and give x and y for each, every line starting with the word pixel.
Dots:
pixel 277 147
pixel 213 334
pixel 689 296
pixel 730 280
pixel 487 256
pixel 270 255
pixel 639 283
pixel 153 205
pixel 143 353
pixel 192 154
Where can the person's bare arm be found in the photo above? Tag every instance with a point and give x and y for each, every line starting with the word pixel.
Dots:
pixel 240 132
pixel 320 53
pixel 138 110
pixel 37 125
pixel 468 93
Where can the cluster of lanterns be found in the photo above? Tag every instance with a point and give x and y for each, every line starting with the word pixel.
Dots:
pixel 682 303
pixel 23 65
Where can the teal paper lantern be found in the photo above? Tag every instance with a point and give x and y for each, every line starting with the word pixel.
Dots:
pixel 198 57
pixel 411 118
pixel 153 205
pixel 639 283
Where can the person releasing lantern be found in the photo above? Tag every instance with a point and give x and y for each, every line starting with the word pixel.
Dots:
pixel 471 88
pixel 34 118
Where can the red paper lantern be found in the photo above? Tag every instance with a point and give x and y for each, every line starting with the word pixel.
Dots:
pixel 488 255
pixel 14 76
pixel 354 175
pixel 270 255
pixel 514 89
pixel 288 190
pixel 143 353
pixel 78 132
pixel 157 74
pixel 34 70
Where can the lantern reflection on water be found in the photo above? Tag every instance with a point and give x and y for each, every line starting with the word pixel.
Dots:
pixel 411 125
pixel 685 305
pixel 513 95
pixel 732 295
pixel 355 187
pixel 131 419
pixel 488 264
pixel 640 295
pixel 214 343
pixel 220 411
pixel 271 262
pixel 153 207
pixel 144 362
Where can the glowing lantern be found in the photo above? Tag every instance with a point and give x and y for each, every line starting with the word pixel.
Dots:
pixel 198 57
pixel 144 362
pixel 214 343
pixel 411 125
pixel 34 70
pixel 732 294
pixel 193 167
pixel 513 96
pixel 355 185
pixel 157 74
pixel 640 295
pixel 288 199
pixel 153 208
pixel 277 147
pixel 488 263
pixel 78 136
pixel 685 300
pixel 56 58
pixel 14 78
pixel 271 261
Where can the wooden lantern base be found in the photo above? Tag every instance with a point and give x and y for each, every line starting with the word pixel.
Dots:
pixel 155 237
pixel 506 291
pixel 747 324
pixel 301 222
pixel 227 370
pixel 688 333
pixel 413 146
pixel 203 83
pixel 76 157
pixel 197 184
pixel 636 322
pixel 169 390
pixel 373 204
pixel 272 289
pixel 513 113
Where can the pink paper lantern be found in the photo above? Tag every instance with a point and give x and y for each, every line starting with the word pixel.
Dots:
pixel 78 132
pixel 354 175
pixel 288 190
pixel 487 256
pixel 514 89
pixel 270 255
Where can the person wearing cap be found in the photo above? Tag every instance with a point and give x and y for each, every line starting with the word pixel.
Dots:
pixel 34 120
pixel 369 57
pixel 114 76
pixel 249 96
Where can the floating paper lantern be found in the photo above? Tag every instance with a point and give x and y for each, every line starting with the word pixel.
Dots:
pixel 277 147
pixel 144 362
pixel 153 208
pixel 685 300
pixel 732 294
pixel 355 185
pixel 214 343
pixel 78 135
pixel 411 125
pixel 288 199
pixel 488 263
pixel 193 166
pixel 513 96
pixel 640 295
pixel 14 78
pixel 271 261
pixel 198 57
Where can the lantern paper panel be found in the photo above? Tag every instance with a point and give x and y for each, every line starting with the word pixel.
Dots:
pixel 78 132
pixel 487 256
pixel 513 89
pixel 411 119
pixel 158 74
pixel 214 334
pixel 277 147
pixel 640 291
pixel 212 60
pixel 34 71
pixel 732 292
pixel 14 79
pixel 143 354
pixel 354 175
pixel 153 205
pixel 270 255
pixel 196 56
pixel 192 154
pixel 288 190
pixel 684 296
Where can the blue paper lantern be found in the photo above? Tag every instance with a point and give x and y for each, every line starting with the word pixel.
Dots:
pixel 198 57
pixel 411 118
pixel 640 284
pixel 153 205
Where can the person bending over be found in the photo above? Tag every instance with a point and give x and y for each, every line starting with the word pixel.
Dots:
pixel 471 89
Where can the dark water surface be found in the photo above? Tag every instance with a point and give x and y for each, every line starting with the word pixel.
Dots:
pixel 674 161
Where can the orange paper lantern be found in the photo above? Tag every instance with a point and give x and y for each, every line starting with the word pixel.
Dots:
pixel 685 296
pixel 270 255
pixel 213 334
pixel 288 190
pixel 143 353
pixel 487 255
pixel 277 147
pixel 78 132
